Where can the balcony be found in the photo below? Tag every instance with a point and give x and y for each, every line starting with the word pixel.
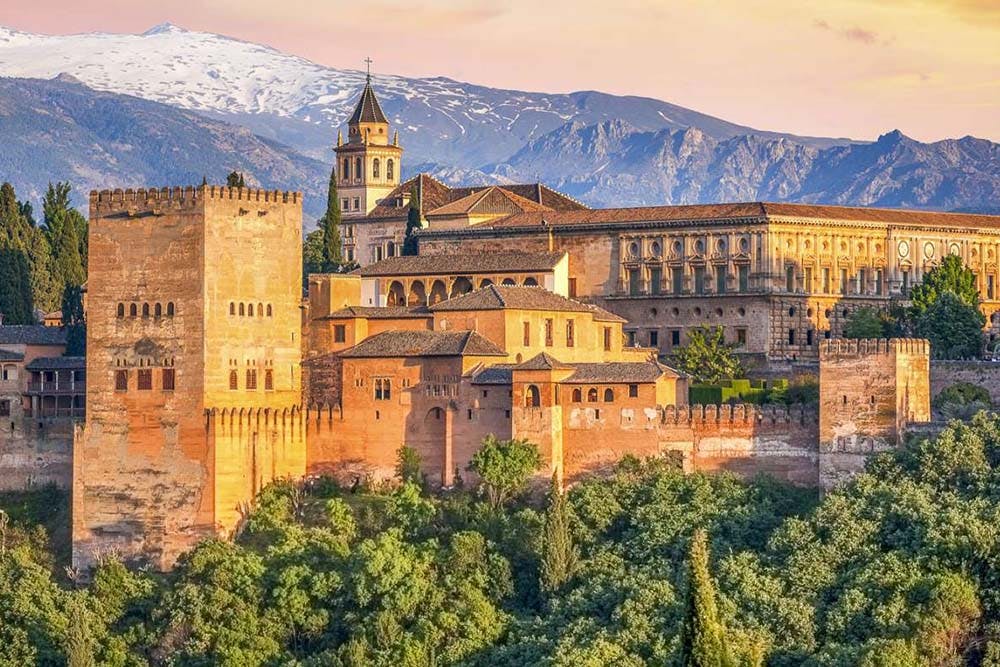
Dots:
pixel 56 387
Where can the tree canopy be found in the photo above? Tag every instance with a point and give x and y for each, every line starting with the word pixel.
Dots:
pixel 707 357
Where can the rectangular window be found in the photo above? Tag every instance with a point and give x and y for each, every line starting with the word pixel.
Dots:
pixel 699 280
pixel 251 378
pixel 678 279
pixel 144 380
pixel 572 288
pixel 169 379
pixel 633 391
pixel 345 204
pixel 675 337
pixel 383 389
pixel 607 338
pixel 655 280
pixel 826 280
pixel 548 333
pixel 654 338
pixel 743 277
pixel 234 381
pixel 634 282
pixel 791 336
pixel 878 282
pixel 526 335
pixel 989 286
pixel 9 373
pixel 843 281
pixel 808 279
pixel 268 379
pixel 741 337
pixel 630 337
pixel 357 204
pixel 5 408
pixel 789 278
pixel 470 415
pixel 720 280
pixel 809 337
pixel 862 281
pixel 906 283
pixel 339 333
pixel 569 333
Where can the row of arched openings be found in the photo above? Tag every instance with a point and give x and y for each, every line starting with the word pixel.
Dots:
pixel 146 310
pixel 248 309
pixel 359 166
pixel 397 294
pixel 533 397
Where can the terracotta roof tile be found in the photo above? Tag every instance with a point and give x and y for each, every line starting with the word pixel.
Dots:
pixel 620 372
pixel 542 362
pixel 501 297
pixel 379 313
pixel 56 364
pixel 31 334
pixel 469 263
pixel 424 344
pixel 495 374
pixel 368 109
pixel 492 200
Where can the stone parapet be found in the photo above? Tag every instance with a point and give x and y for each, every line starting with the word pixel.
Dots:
pixel 134 201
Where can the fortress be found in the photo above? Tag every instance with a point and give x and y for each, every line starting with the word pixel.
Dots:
pixel 524 315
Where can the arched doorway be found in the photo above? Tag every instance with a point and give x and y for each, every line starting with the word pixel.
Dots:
pixel 532 397
pixel 438 292
pixel 418 295
pixel 461 286
pixel 396 295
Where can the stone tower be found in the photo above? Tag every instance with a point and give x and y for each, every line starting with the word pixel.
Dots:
pixel 193 353
pixel 368 164
pixel 870 391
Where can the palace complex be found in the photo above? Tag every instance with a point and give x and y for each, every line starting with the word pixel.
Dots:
pixel 524 315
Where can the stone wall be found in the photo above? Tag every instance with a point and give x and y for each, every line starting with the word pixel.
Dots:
pixel 983 373
pixel 36 453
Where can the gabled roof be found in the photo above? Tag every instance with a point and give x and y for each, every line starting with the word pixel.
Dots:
pixel 543 362
pixel 31 334
pixel 368 109
pixel 57 364
pixel 379 313
pixel 493 200
pixel 468 263
pixel 620 372
pixel 503 297
pixel 424 344
pixel 495 374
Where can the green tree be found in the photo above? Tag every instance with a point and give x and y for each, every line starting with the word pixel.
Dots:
pixel 703 638
pixel 413 223
pixel 962 400
pixel 313 260
pixel 64 228
pixel 235 180
pixel 408 464
pixel 953 326
pixel 951 275
pixel 72 319
pixel 560 556
pixel 16 294
pixel 330 224
pixel 79 640
pixel 865 322
pixel 504 466
pixel 707 357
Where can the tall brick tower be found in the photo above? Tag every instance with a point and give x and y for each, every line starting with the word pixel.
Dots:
pixel 193 366
pixel 368 165
pixel 870 390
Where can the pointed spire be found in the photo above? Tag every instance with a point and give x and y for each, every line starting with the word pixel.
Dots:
pixel 340 138
pixel 368 109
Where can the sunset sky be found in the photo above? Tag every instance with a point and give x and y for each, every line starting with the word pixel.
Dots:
pixel 853 68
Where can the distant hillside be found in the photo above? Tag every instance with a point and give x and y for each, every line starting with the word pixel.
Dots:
pixel 61 130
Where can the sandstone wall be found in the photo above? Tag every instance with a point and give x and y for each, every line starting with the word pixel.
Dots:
pixel 983 373
pixel 36 453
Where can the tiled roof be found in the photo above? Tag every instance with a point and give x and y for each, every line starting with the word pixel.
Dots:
pixel 434 194
pixel 424 344
pixel 10 355
pixel 491 200
pixel 495 374
pixel 368 109
pixel 733 211
pixel 57 363
pixel 619 372
pixel 468 263
pixel 31 334
pixel 500 297
pixel 543 362
pixel 380 313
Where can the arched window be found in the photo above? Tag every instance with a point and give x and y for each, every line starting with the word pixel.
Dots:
pixel 375 169
pixel 260 310
pixel 158 310
pixel 358 169
pixel 121 310
pixel 232 308
pixel 532 397
pixel 269 313
pixel 577 395
pixel 389 169
pixel 145 310
pixel 390 249
pixel 132 310
pixel 347 169
pixel 592 395
pixel 242 310
pixel 250 310
pixel 609 396
pixel 234 380
pixel 530 282
pixel 170 308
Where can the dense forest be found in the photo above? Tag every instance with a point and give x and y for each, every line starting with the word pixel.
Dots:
pixel 647 566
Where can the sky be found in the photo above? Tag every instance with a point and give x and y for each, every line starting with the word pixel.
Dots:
pixel 843 68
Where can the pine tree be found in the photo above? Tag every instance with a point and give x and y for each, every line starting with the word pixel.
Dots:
pixel 412 222
pixel 72 319
pixel 330 224
pixel 560 556
pixel 79 642
pixel 703 641
pixel 63 227
pixel 235 180
pixel 16 296
pixel 66 256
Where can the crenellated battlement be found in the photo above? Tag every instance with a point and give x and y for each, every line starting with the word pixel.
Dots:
pixel 737 415
pixel 846 347
pixel 180 198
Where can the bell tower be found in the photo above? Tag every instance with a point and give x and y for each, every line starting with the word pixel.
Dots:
pixel 368 163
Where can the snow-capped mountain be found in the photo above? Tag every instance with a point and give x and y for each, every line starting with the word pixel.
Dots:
pixel 300 103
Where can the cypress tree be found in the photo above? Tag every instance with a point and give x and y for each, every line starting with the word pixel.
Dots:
pixel 413 224
pixel 16 297
pixel 79 642
pixel 72 319
pixel 66 256
pixel 703 641
pixel 330 223
pixel 560 556
pixel 63 227
pixel 235 180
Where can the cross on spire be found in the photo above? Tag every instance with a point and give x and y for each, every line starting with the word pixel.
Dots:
pixel 368 69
